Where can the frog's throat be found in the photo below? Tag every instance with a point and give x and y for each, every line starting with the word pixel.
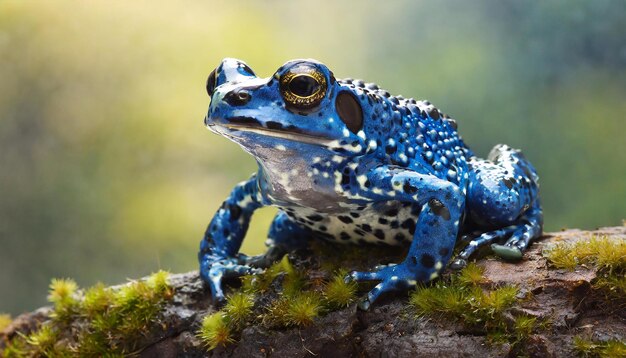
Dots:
pixel 287 135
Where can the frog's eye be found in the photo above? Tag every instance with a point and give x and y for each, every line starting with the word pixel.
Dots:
pixel 349 110
pixel 211 82
pixel 303 87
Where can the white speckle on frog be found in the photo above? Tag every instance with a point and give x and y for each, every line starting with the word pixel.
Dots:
pixel 361 179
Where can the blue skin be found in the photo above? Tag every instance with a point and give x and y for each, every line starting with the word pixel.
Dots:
pixel 345 161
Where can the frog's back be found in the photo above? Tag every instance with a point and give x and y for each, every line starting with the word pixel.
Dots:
pixel 411 133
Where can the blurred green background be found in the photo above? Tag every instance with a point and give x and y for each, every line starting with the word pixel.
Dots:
pixel 106 170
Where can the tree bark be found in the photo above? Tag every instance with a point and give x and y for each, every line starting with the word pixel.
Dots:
pixel 566 299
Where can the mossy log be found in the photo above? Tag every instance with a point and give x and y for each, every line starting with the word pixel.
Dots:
pixel 568 303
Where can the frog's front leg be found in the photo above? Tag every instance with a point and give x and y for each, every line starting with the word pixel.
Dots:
pixel 435 231
pixel 219 250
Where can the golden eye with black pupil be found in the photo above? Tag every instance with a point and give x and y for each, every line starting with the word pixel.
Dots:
pixel 211 82
pixel 303 87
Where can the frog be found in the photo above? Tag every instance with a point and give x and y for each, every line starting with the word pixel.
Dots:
pixel 345 161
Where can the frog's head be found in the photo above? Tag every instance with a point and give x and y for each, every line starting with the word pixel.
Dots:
pixel 300 108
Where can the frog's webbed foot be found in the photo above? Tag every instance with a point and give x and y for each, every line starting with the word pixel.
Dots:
pixel 214 271
pixel 479 241
pixel 518 237
pixel 391 277
pixel 529 229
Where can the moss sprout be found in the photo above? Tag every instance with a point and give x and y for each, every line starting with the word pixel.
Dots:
pixel 63 294
pixel 293 282
pixel 524 326
pixel 214 331
pixel 5 321
pixel 239 307
pixel 62 290
pixel 298 310
pixel 42 341
pixel 496 301
pixel 97 299
pixel 303 309
pixel 611 348
pixel 159 282
pixel 338 293
pixel 16 348
pixel 472 274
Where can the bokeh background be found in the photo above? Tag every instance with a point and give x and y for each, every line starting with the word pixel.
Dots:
pixel 106 170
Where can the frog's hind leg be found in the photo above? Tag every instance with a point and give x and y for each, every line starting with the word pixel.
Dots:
pixel 503 198
pixel 517 236
pixel 530 228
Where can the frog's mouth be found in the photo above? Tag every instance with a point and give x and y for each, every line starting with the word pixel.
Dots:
pixel 286 134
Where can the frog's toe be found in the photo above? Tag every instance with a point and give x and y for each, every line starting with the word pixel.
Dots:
pixel 362 276
pixel 510 253
pixel 378 274
pixel 373 295
pixel 391 277
pixel 226 268
pixel 458 264
pixel 392 283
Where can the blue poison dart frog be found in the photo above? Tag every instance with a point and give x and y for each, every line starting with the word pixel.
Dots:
pixel 347 162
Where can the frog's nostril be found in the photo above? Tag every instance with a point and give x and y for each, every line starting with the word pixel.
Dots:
pixel 237 97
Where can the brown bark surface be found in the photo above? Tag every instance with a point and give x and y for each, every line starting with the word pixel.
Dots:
pixel 390 329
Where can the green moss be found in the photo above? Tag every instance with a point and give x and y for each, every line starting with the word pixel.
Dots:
pixel 607 255
pixel 460 298
pixel 298 310
pixel 16 348
pixel 470 305
pixel 496 301
pixel 5 321
pixel 63 294
pixel 42 341
pixel 299 303
pixel 97 299
pixel 62 290
pixel 239 307
pixel 602 252
pixel 440 299
pixel 614 286
pixel 610 348
pixel 524 326
pixel 302 309
pixel 338 293
pixel 100 322
pixel 293 282
pixel 472 274
pixel 215 331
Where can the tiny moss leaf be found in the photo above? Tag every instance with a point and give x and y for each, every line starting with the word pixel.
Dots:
pixel 214 331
